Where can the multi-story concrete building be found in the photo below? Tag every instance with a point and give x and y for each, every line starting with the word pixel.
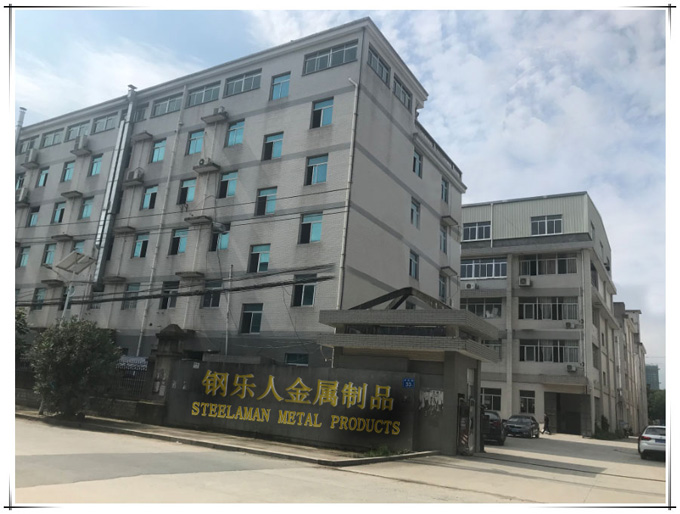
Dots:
pixel 540 270
pixel 631 390
pixel 239 201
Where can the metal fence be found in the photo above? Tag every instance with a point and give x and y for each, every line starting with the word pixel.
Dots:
pixel 131 379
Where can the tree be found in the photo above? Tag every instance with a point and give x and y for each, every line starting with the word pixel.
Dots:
pixel 72 361
pixel 656 405
pixel 21 328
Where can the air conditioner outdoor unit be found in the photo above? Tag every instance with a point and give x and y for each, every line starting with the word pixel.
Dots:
pixel 205 162
pixel 22 195
pixel 470 285
pixel 32 155
pixel 136 174
pixel 570 324
pixel 571 368
pixel 524 282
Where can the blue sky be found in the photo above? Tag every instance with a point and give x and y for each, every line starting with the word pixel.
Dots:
pixel 525 102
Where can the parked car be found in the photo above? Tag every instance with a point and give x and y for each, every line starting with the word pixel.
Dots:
pixel 522 425
pixel 652 441
pixel 496 431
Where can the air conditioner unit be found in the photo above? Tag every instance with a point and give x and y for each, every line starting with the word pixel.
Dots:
pixel 571 368
pixel 570 324
pixel 136 174
pixel 470 285
pixel 32 155
pixel 207 161
pixel 524 282
pixel 22 195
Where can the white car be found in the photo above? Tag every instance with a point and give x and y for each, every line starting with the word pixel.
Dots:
pixel 652 440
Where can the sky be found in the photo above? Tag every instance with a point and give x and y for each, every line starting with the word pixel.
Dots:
pixel 527 103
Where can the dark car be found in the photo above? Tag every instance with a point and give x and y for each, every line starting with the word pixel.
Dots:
pixel 496 431
pixel 522 425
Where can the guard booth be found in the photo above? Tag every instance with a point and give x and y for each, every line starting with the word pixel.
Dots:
pixel 439 351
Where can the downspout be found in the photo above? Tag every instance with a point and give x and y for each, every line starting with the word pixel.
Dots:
pixel 111 186
pixel 160 222
pixel 17 130
pixel 491 228
pixel 348 194
pixel 227 293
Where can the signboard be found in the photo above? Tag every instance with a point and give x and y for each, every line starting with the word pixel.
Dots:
pixel 343 407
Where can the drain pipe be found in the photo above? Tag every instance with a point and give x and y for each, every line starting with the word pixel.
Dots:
pixel 226 318
pixel 350 172
pixel 173 155
pixel 20 123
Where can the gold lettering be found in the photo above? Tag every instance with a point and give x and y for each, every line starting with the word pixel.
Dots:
pixel 248 413
pixel 343 422
pixel 265 415
pixel 362 425
pixel 376 426
pixel 316 421
pixel 283 417
pixel 308 420
pixel 239 413
pixel 213 410
pixel 205 406
pixel 194 409
pixel 352 428
pixel 229 414
pixel 291 417
pixel 387 426
pixel 370 425
pixel 395 428
pixel 256 415
pixel 300 415
pixel 222 411
pixel 334 421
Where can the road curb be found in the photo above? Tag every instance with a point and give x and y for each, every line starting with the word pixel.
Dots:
pixel 93 425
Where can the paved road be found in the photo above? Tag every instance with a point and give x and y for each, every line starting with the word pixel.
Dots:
pixel 62 465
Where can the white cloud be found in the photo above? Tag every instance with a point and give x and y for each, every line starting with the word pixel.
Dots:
pixel 88 75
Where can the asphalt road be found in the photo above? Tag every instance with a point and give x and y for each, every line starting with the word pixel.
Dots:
pixel 57 465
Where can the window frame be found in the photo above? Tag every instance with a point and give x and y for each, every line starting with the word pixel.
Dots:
pixel 474 228
pixel 28 144
pixel 300 291
pixel 472 268
pixel 86 208
pixel 310 228
pixel 95 165
pixel 328 53
pixel 187 191
pixel 219 241
pixel 259 265
pixel 141 245
pixel 178 243
pixel 169 290
pixel 195 144
pixel 268 152
pixel 323 108
pixel 547 225
pixel 56 138
pixel 22 257
pixel 59 207
pixel 49 253
pixel 67 171
pixel 235 129
pixel 151 196
pixel 39 294
pixel 255 76
pixel 32 219
pixel 213 88
pixel 253 313
pixel 413 265
pixel 417 163
pixel 227 185
pixel 265 204
pixel 158 151
pixel 315 169
pixel 109 123
pixel 415 213
pixel 445 190
pixel 43 175
pixel 402 93
pixel 82 129
pixel 284 87
pixel 379 64
pixel 130 296
pixel 173 101
pixel 212 294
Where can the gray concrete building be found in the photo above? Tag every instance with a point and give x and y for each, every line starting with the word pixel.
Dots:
pixel 239 201
pixel 631 390
pixel 540 270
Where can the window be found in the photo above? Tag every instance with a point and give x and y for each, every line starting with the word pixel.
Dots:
pixel 86 208
pixel 491 398
pixel 235 133
pixel 20 178
pixel 52 138
pixel 74 131
pixel 169 298
pixel 303 294
pixel 227 184
pixel 158 152
pixel 443 239
pixel 544 225
pixel 297 359
pixel 186 191
pixel 211 297
pixel 272 146
pixel 548 308
pixel 22 260
pixel 266 201
pixel 330 57
pixel 203 94
pixel 243 83
pixel 42 177
pixel 483 268
pixel 149 199
pixel 179 241
pixel 310 229
pixel 59 209
pixel 28 144
pixel 251 318
pixel 322 113
pixel 33 217
pixel 48 254
pixel 549 264
pixel 413 265
pixel 477 230
pixel 379 66
pixel 139 114
pixel 280 86
pixel 527 402
pixel 317 168
pixel 488 308
pixel 445 190
pixel 38 298
pixel 96 165
pixel 417 164
pixel 259 259
pixel 141 243
pixel 415 213
pixel 130 297
pixel 219 240
pixel 195 142
pixel 67 173
pixel 442 287
pixel 104 123
pixel 78 247
pixel 402 93
pixel 64 297
pixel 167 105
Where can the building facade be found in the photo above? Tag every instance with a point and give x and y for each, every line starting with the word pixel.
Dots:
pixel 652 376
pixel 239 201
pixel 631 390
pixel 540 270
